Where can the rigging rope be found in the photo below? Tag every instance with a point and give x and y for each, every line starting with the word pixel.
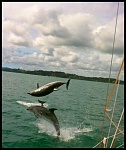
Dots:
pixel 113 122
pixel 113 111
pixel 106 138
pixel 120 145
pixel 112 50
pixel 107 100
pixel 117 128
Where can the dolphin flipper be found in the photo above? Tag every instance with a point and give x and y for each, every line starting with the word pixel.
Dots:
pixel 67 84
pixel 36 115
pixel 56 89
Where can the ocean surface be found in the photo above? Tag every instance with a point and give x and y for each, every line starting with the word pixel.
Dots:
pixel 79 111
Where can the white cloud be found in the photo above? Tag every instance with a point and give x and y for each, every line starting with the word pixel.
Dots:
pixel 76 38
pixel 104 36
pixel 17 40
pixel 55 64
pixel 15 27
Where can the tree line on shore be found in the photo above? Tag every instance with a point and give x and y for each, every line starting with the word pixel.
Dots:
pixel 61 75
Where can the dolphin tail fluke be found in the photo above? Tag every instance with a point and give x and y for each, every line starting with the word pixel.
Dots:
pixel 42 102
pixel 67 84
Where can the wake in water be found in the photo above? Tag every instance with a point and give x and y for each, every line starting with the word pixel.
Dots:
pixel 31 104
pixel 66 134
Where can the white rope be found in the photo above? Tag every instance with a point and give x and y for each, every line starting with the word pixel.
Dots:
pixel 117 127
pixel 113 110
pixel 97 144
pixel 120 145
pixel 111 60
pixel 106 139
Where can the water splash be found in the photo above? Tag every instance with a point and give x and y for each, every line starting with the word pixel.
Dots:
pixel 66 134
pixel 31 104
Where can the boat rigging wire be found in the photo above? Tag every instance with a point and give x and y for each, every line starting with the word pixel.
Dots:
pixel 107 138
pixel 108 98
pixel 117 128
pixel 110 70
pixel 113 111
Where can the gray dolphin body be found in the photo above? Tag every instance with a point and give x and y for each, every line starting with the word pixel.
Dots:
pixel 48 88
pixel 47 114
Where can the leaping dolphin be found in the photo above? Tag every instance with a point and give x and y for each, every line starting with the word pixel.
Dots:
pixel 47 114
pixel 48 88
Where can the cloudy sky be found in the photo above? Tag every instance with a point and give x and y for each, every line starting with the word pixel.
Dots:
pixel 72 37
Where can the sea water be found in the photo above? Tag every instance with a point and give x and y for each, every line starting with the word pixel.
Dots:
pixel 80 111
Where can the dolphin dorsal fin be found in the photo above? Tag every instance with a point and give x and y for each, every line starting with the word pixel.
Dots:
pixel 42 102
pixel 52 109
pixel 37 85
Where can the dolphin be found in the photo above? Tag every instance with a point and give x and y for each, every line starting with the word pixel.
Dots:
pixel 47 114
pixel 48 88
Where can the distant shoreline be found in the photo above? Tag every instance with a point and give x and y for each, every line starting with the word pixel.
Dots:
pixel 60 74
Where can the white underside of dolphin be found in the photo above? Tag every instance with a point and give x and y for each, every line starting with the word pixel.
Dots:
pixel 48 88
